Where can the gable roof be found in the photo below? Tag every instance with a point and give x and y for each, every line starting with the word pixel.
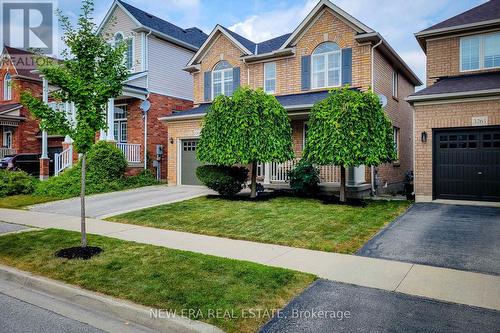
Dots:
pixel 272 44
pixel 481 16
pixel 191 38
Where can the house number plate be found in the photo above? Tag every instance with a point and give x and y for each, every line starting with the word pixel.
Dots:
pixel 480 121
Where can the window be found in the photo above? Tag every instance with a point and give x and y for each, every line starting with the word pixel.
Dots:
pixel 128 56
pixel 395 79
pixel 7 138
pixel 120 124
pixel 270 77
pixel 222 79
pixel 480 52
pixel 7 87
pixel 326 66
pixel 396 140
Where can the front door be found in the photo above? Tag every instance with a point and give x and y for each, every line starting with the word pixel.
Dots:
pixel 189 162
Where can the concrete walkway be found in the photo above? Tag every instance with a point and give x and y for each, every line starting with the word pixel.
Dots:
pixel 438 283
pixel 114 203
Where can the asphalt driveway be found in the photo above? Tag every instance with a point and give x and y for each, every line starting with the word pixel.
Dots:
pixel 328 306
pixel 452 236
pixel 108 204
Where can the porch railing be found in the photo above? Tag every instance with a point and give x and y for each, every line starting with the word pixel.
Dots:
pixel 278 172
pixel 7 151
pixel 132 151
pixel 63 160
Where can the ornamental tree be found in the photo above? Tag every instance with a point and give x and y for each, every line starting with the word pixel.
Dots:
pixel 248 127
pixel 92 71
pixel 349 128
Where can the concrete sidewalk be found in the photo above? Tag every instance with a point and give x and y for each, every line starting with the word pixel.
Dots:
pixel 438 283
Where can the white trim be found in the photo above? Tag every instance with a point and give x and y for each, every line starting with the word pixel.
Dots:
pixel 9 110
pixel 357 25
pixel 265 57
pixel 265 78
pixel 456 28
pixel 218 28
pixel 5 132
pixel 108 16
pixel 136 76
pixel 457 100
pixel 222 79
pixel 325 57
pixel 395 84
pixel 7 87
pixel 452 95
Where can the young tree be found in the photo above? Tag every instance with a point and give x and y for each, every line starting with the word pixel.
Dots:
pixel 92 71
pixel 349 128
pixel 246 128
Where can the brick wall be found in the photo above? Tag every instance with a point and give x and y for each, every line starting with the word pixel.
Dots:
pixel 443 59
pixel 327 27
pixel 428 117
pixel 401 115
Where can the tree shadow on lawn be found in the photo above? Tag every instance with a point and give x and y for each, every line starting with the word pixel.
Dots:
pixel 269 195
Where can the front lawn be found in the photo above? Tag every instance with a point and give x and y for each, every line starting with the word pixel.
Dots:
pixel 159 277
pixel 297 222
pixel 21 201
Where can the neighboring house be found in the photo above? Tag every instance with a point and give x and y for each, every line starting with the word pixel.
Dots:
pixel 157 52
pixel 19 131
pixel 328 49
pixel 457 117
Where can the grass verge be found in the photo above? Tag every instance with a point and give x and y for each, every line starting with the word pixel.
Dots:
pixel 297 222
pixel 158 277
pixel 21 201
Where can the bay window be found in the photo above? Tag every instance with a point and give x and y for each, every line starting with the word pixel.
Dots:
pixel 326 66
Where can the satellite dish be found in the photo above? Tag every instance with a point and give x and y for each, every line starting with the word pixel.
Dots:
pixel 382 99
pixel 145 105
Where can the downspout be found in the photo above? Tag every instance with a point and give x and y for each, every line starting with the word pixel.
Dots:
pixel 146 62
pixel 372 168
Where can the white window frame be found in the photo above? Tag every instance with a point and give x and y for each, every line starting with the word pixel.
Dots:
pixel 125 55
pixel 118 122
pixel 481 52
pixel 7 87
pixel 223 80
pixel 395 83
pixel 4 142
pixel 269 91
pixel 325 56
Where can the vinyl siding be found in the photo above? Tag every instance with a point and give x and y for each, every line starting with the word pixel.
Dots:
pixel 166 76
pixel 121 21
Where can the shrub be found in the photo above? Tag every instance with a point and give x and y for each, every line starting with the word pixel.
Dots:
pixel 144 178
pixel 226 180
pixel 105 162
pixel 16 182
pixel 67 184
pixel 304 178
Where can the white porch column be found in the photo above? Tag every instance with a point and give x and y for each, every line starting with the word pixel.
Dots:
pixel 111 119
pixel 355 175
pixel 267 173
pixel 45 97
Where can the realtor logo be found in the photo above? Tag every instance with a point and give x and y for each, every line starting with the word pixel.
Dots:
pixel 29 24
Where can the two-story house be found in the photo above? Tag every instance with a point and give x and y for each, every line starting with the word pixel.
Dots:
pixel 457 117
pixel 157 51
pixel 19 131
pixel 330 48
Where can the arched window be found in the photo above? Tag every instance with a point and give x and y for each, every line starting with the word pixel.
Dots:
pixel 7 87
pixel 222 79
pixel 326 66
pixel 128 57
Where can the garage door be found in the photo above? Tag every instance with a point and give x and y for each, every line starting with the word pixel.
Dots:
pixel 467 164
pixel 189 163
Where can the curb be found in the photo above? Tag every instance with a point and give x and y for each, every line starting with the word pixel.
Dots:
pixel 124 310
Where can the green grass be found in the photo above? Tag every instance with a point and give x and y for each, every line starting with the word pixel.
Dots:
pixel 159 277
pixel 297 222
pixel 21 201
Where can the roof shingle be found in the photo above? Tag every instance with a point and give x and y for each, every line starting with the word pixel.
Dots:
pixel 462 84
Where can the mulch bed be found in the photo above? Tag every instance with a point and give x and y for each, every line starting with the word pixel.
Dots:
pixel 79 252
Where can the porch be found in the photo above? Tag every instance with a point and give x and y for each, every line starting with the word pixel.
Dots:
pixel 10 118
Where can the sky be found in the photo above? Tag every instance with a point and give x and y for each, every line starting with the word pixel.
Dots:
pixel 258 20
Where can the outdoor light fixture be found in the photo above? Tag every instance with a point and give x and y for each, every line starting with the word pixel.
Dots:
pixel 423 137
pixel 171 141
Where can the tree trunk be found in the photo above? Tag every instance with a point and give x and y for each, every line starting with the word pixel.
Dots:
pixel 253 186
pixel 82 202
pixel 342 184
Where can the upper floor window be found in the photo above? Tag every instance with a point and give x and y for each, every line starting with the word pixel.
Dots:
pixel 7 87
pixel 128 57
pixel 270 77
pixel 395 131
pixel 395 79
pixel 222 79
pixel 480 52
pixel 326 66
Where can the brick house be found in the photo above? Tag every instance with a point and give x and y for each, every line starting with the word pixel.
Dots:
pixel 328 49
pixel 157 52
pixel 19 131
pixel 457 117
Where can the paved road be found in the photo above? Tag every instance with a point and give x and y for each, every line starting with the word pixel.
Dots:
pixel 452 236
pixel 373 310
pixel 108 204
pixel 9 227
pixel 25 310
